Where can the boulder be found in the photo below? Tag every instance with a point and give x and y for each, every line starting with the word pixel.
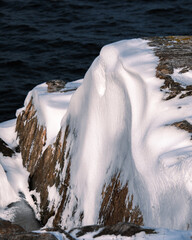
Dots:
pixel 54 167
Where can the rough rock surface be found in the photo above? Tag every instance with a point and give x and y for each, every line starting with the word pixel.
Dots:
pixel 121 229
pixel 32 139
pixel 55 85
pixel 173 52
pixel 115 207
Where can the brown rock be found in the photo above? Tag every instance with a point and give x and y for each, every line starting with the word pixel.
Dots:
pixel 41 164
pixel 117 206
pixel 32 137
pixel 55 85
pixel 184 125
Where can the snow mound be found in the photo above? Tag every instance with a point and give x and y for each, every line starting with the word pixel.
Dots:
pixel 122 124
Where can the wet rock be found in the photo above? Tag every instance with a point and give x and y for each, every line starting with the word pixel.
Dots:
pixel 5 149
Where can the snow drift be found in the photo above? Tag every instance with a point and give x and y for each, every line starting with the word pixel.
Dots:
pixel 123 126
pixel 114 149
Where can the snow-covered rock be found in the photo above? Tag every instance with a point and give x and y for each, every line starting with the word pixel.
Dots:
pixel 119 147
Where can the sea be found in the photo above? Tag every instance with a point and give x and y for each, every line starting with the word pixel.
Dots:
pixel 41 40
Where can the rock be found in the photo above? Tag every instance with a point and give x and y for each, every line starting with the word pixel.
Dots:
pixel 119 229
pixel 10 231
pixel 124 229
pixel 55 85
pixel 29 236
pixel 7 227
pixel 32 138
pixel 185 125
pixel 173 52
pixel 5 149
pixel 115 206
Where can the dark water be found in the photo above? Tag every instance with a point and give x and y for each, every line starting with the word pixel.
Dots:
pixel 42 40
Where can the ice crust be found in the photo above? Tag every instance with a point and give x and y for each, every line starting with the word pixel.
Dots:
pixel 122 124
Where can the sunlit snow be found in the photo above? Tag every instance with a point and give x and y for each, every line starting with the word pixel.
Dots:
pixel 122 124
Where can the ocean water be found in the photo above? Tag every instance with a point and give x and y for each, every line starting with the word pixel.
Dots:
pixel 41 40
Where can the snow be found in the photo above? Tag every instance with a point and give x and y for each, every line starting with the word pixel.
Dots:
pixel 7 132
pixel 7 193
pixel 51 107
pixel 122 124
pixel 53 197
pixel 13 176
pixel 161 234
pixel 183 78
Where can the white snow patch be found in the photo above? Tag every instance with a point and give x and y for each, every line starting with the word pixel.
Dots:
pixel 13 177
pixel 7 132
pixel 51 107
pixel 53 197
pixel 183 78
pixel 7 193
